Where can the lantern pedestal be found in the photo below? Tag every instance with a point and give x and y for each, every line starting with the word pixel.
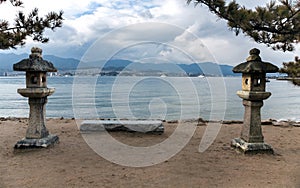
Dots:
pixel 252 139
pixel 251 131
pixel 37 135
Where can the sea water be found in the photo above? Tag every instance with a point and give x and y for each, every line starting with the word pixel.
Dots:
pixel 131 97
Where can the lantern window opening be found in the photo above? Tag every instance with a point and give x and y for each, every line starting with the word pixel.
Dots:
pixel 256 82
pixel 43 79
pixel 34 79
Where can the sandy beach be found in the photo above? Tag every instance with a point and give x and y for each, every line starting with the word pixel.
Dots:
pixel 72 163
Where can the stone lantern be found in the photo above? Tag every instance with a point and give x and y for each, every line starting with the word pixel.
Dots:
pixel 36 90
pixel 253 93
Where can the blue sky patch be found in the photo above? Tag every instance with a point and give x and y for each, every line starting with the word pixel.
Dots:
pixel 92 8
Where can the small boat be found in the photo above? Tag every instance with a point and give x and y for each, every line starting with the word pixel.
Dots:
pixel 201 76
pixel 163 75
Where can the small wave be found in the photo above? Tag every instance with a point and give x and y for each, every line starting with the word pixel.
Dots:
pixel 294 119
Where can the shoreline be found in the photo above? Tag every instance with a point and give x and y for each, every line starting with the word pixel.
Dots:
pixel 199 121
pixel 295 81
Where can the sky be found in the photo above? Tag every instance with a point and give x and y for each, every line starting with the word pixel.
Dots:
pixel 144 31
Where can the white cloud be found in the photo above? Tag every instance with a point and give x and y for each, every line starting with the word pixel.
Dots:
pixel 87 21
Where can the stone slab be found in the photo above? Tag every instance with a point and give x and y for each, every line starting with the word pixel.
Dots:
pixel 142 126
pixel 37 143
pixel 251 148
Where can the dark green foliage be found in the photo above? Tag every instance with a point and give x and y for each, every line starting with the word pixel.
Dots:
pixel 276 25
pixel 31 25
pixel 292 68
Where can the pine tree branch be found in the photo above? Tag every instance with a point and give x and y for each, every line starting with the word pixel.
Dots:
pixel 27 26
pixel 271 25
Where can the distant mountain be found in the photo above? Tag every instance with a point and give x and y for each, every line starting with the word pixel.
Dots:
pixel 117 65
pixel 207 68
pixel 62 63
pixel 7 61
pixel 191 69
pixel 121 63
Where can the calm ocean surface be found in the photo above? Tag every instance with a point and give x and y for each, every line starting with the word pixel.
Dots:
pixel 149 98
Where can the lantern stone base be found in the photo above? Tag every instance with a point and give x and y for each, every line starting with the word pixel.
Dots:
pixel 251 148
pixel 26 143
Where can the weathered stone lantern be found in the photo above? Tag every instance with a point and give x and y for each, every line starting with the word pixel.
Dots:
pixel 36 90
pixel 253 93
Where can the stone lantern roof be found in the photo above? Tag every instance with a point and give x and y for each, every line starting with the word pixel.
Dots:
pixel 35 62
pixel 255 65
